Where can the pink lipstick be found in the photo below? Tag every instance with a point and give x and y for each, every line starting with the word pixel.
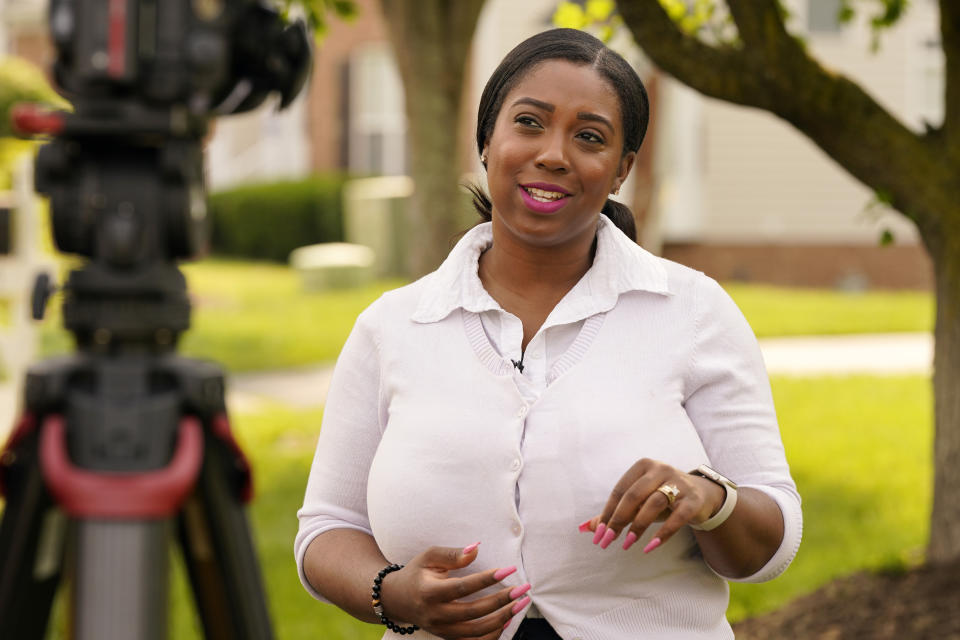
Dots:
pixel 541 206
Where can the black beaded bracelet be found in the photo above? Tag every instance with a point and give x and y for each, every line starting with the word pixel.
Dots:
pixel 378 607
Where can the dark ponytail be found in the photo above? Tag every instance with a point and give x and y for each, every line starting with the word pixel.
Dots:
pixel 581 48
pixel 621 216
pixel 480 201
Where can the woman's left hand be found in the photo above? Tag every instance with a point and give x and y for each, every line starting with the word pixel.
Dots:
pixel 636 502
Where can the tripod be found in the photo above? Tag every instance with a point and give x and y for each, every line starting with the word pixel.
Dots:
pixel 125 445
pixel 119 523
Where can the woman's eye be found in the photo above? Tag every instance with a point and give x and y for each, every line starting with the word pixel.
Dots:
pixel 527 121
pixel 590 137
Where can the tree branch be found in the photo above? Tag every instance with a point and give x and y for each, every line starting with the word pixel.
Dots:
pixel 950 34
pixel 760 24
pixel 835 113
pixel 720 72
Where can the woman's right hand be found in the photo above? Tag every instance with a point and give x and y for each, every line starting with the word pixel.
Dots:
pixel 422 593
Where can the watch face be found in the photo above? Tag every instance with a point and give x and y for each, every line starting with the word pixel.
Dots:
pixel 712 474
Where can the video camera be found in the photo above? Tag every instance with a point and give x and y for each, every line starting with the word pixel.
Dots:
pixel 124 173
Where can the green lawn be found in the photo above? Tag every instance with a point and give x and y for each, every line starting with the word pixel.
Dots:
pixel 253 316
pixel 782 311
pixel 859 449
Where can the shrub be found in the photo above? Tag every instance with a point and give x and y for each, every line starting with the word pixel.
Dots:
pixel 268 221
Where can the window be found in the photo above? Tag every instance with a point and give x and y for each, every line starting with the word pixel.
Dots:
pixel 376 120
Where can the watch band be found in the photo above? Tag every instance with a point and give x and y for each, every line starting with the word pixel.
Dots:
pixel 729 502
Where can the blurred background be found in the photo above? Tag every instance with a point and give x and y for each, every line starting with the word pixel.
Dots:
pixel 353 190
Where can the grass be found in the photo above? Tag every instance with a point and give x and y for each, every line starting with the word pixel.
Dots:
pixel 781 311
pixel 254 316
pixel 859 449
pixel 280 444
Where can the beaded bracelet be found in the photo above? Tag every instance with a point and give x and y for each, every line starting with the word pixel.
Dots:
pixel 378 607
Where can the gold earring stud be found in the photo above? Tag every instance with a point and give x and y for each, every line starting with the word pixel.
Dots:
pixel 483 158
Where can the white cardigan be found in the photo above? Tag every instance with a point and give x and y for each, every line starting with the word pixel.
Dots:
pixel 431 437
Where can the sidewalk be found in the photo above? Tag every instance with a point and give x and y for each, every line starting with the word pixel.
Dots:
pixel 871 354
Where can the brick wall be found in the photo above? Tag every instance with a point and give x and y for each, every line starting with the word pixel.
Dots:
pixel 844 266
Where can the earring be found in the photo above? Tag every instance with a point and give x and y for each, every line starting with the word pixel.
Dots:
pixel 616 191
pixel 483 158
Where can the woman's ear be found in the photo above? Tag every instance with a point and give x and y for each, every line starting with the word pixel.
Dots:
pixel 626 163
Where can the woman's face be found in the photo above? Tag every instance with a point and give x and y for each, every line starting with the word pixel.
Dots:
pixel 555 154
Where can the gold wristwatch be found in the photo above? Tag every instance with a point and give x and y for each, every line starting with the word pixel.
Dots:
pixel 729 486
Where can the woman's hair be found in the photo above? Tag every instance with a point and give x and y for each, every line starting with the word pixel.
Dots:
pixel 578 47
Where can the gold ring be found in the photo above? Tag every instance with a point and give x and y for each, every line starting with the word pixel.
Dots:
pixel 669 490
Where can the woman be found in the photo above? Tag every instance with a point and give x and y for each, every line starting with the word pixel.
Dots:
pixel 551 388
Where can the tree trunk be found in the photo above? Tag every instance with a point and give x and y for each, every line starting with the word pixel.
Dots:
pixel 945 519
pixel 648 233
pixel 431 39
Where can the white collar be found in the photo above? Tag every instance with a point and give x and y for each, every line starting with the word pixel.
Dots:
pixel 620 265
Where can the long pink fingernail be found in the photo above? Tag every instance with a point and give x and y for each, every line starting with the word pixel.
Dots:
pixel 521 604
pixel 503 573
pixel 598 534
pixel 519 591
pixel 629 540
pixel 585 526
pixel 470 549
pixel 653 544
pixel 608 537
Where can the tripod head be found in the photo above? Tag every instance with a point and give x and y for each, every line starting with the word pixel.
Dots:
pixel 124 170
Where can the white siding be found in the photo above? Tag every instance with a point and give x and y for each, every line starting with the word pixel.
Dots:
pixel 763 182
pixel 259 146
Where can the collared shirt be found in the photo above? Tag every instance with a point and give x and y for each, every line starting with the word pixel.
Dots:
pixel 432 437
pixel 617 268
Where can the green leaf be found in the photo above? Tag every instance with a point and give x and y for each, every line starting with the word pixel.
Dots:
pixel 316 11
pixel 345 9
pixel 569 15
pixel 676 9
pixel 599 10
pixel 886 238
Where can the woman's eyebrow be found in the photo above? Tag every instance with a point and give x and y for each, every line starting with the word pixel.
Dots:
pixel 594 117
pixel 546 106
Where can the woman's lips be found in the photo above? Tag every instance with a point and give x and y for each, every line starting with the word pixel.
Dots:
pixel 539 206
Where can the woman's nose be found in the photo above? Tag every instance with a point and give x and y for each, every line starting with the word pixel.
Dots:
pixel 552 155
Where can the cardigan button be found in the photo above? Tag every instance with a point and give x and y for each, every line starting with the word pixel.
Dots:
pixel 515 465
pixel 522 411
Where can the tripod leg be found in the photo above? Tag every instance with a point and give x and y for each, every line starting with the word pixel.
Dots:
pixel 122 527
pixel 120 580
pixel 219 551
pixel 31 543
